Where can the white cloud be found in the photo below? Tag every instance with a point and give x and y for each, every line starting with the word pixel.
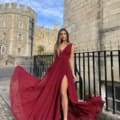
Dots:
pixel 51 10
pixel 46 7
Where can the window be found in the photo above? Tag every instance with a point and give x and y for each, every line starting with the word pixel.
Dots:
pixel 4 36
pixel 20 24
pixel 19 50
pixel 19 37
pixel 3 49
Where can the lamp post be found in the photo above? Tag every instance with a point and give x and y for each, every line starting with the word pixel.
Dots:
pixel 31 37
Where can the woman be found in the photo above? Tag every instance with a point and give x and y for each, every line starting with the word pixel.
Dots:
pixel 54 97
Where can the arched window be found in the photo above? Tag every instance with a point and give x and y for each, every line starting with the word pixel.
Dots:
pixel 2 49
pixel 4 36
pixel 19 37
pixel 19 51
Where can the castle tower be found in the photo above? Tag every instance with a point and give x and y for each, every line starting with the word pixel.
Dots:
pixel 16 30
pixel 45 39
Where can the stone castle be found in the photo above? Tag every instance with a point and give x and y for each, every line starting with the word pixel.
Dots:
pixel 93 24
pixel 19 33
pixel 45 39
pixel 15 29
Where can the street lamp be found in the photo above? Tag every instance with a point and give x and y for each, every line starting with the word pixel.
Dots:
pixel 31 37
pixel 31 32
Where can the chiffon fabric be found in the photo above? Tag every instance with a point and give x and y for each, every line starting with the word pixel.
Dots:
pixel 40 99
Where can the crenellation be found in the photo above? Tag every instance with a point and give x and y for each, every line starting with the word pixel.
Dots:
pixel 16 8
pixel 14 27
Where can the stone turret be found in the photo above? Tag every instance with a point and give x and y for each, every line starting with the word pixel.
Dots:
pixel 16 9
pixel 17 24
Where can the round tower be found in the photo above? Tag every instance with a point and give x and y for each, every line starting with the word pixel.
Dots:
pixel 16 30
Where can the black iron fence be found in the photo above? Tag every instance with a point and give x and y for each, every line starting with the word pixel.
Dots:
pixel 98 73
pixel 41 63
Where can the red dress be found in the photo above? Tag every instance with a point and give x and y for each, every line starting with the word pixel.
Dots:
pixel 39 99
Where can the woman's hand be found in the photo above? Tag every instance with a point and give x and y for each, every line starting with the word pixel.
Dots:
pixel 75 78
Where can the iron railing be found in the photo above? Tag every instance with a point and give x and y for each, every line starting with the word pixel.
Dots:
pixel 98 73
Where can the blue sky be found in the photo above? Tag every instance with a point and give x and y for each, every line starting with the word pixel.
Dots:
pixel 48 11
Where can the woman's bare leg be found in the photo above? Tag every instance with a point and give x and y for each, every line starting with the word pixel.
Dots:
pixel 64 96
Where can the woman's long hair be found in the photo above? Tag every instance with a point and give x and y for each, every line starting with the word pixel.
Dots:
pixel 59 41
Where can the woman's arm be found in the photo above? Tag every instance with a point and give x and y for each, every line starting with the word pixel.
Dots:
pixel 71 60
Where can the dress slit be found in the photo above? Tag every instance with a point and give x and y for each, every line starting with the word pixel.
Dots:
pixel 39 99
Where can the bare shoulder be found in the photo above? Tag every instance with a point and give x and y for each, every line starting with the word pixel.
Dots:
pixel 72 46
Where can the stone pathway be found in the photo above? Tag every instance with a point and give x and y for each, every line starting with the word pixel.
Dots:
pixel 5 75
pixel 5 113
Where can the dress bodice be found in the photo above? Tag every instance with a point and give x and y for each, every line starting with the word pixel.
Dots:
pixel 65 53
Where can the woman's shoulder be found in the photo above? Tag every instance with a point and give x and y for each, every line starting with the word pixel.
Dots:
pixel 72 45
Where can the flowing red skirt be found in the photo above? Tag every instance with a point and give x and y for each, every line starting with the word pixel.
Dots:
pixel 39 99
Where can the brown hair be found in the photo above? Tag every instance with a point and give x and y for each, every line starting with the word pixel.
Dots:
pixel 59 41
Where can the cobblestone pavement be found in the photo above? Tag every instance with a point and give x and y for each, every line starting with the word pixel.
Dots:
pixel 5 113
pixel 5 75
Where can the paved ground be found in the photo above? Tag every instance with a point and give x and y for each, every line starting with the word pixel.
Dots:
pixel 5 113
pixel 5 75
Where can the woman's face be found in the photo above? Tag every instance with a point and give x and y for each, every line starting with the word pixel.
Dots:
pixel 63 35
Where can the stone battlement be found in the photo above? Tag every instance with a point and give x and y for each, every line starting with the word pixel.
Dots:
pixel 16 8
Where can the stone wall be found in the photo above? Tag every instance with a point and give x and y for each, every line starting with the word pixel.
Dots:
pixel 111 24
pixel 15 28
pixel 81 19
pixel 93 25
pixel 45 38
